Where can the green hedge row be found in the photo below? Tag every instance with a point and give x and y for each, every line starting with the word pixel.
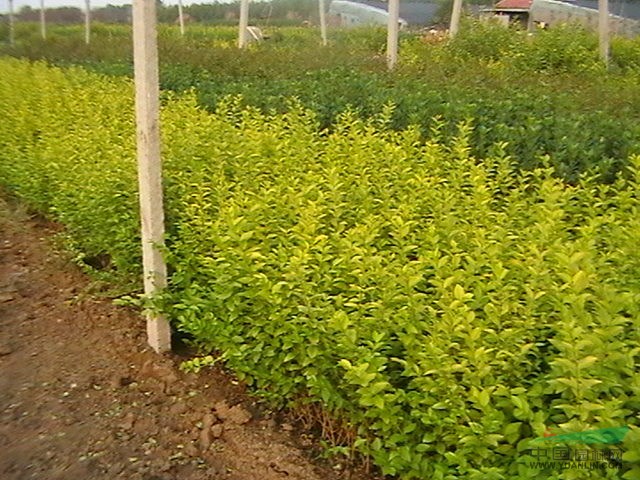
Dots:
pixel 535 121
pixel 449 308
pixel 546 96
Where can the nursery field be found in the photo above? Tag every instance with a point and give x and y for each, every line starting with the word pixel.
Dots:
pixel 439 264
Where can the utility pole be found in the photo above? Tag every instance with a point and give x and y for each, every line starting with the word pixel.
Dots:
pixel 392 33
pixel 87 22
pixel 323 22
pixel 454 26
pixel 603 30
pixel 12 39
pixel 145 59
pixel 244 23
pixel 43 21
pixel 180 17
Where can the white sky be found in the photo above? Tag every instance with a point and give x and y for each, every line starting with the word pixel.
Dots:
pixel 18 4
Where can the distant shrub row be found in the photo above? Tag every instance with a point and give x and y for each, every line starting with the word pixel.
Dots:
pixel 547 95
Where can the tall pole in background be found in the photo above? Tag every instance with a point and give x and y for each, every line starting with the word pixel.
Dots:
pixel 454 26
pixel 244 23
pixel 603 30
pixel 392 33
pixel 87 22
pixel 12 39
pixel 323 22
pixel 180 17
pixel 43 21
pixel 145 61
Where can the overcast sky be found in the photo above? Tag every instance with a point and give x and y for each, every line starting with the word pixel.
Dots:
pixel 18 4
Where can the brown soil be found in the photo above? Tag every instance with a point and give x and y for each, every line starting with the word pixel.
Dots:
pixel 83 397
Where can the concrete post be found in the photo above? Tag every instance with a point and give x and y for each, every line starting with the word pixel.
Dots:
pixel 145 58
pixel 392 33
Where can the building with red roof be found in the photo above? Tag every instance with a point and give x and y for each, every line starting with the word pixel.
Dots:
pixel 513 5
pixel 511 11
pixel 545 13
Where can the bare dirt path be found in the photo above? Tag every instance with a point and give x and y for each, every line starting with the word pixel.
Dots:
pixel 82 397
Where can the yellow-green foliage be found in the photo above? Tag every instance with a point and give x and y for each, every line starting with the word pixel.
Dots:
pixel 450 307
pixel 57 127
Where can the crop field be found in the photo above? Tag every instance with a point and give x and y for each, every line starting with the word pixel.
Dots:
pixel 440 262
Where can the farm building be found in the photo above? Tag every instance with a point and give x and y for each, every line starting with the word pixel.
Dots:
pixel 414 13
pixel 355 14
pixel 624 8
pixel 554 12
pixel 510 11
pixel 374 12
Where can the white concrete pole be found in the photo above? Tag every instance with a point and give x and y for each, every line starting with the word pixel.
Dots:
pixel 454 26
pixel 323 21
pixel 145 59
pixel 43 21
pixel 180 17
pixel 392 33
pixel 244 23
pixel 603 29
pixel 12 35
pixel 87 22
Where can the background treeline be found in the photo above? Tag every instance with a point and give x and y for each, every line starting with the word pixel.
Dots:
pixel 275 12
pixel 280 11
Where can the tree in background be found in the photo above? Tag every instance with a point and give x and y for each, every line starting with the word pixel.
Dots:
pixel 112 14
pixel 65 15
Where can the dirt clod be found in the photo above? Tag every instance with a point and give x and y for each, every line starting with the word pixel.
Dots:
pixel 205 439
pixel 6 297
pixel 5 348
pixel 217 430
pixel 236 415
pixel 127 421
pixel 177 409
pixel 208 420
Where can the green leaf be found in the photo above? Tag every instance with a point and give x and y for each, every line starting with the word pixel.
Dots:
pixel 631 456
pixel 512 432
pixel 580 280
pixel 484 397
pixel 633 474
pixel 346 364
